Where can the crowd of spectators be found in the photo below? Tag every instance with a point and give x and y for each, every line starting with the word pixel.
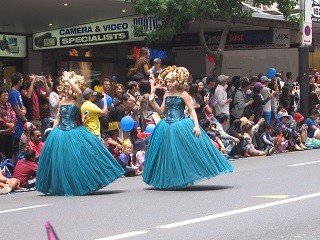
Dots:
pixel 256 116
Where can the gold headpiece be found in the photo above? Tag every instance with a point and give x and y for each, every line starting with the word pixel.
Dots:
pixel 126 143
pixel 178 75
pixel 77 79
pixel 113 126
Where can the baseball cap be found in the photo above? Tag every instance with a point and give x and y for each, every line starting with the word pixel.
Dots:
pixel 157 60
pixel 28 126
pixel 265 79
pixel 222 78
pixel 258 85
pixel 87 93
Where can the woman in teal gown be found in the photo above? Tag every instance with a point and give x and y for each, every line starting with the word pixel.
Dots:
pixel 180 153
pixel 73 160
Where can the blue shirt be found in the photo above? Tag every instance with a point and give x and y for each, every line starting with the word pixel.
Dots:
pixel 14 99
pixel 125 161
pixel 310 122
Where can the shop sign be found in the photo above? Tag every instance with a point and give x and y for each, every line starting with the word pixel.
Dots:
pixel 242 37
pixel 13 46
pixel 154 53
pixel 278 38
pixel 103 32
pixel 315 13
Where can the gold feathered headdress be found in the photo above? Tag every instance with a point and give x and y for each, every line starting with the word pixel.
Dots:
pixel 77 79
pixel 178 75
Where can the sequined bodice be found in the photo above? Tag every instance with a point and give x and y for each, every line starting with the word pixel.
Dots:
pixel 175 108
pixel 69 114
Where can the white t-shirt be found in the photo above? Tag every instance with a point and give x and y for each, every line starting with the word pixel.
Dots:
pixel 265 93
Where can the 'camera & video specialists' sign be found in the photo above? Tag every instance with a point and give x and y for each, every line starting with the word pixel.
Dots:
pixel 13 46
pixel 103 32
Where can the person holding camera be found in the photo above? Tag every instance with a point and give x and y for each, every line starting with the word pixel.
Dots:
pixel 92 112
pixel 240 101
pixel 266 91
pixel 31 98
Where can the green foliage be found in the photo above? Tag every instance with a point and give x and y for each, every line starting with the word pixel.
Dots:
pixel 175 15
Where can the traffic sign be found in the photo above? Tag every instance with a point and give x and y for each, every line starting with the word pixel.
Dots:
pixel 307 34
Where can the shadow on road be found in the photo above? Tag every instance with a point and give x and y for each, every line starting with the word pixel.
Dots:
pixel 194 188
pixel 91 194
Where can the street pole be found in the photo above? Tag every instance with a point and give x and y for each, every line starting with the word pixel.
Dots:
pixel 303 68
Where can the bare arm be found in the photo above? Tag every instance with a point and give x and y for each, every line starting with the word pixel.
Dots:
pixel 19 112
pixel 74 87
pixel 146 69
pixel 162 109
pixel 185 96
pixel 28 93
pixel 45 94
pixel 57 120
pixel 104 111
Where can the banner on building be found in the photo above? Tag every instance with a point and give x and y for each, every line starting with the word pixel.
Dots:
pixel 278 38
pixel 103 32
pixel 13 46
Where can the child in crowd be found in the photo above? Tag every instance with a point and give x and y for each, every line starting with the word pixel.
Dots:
pixel 281 142
pixel 114 142
pixel 156 69
pixel 280 111
pixel 266 138
pixel 25 137
pixel 126 161
pixel 23 148
pixel 26 169
pixel 140 146
pixel 247 134
pixel 213 133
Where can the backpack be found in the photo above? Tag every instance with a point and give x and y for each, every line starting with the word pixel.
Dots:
pixel 7 166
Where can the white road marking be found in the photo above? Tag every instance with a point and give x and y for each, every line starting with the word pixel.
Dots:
pixel 306 163
pixel 214 216
pixel 242 210
pixel 24 208
pixel 125 235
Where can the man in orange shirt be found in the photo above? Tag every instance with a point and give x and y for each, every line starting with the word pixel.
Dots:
pixel 35 142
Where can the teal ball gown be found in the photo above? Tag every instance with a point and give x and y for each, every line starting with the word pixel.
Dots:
pixel 177 158
pixel 73 160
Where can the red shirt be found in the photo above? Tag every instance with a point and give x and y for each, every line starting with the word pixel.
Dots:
pixel 36 106
pixel 25 170
pixel 7 115
pixel 36 148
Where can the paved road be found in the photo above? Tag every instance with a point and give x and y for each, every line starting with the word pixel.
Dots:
pixel 225 207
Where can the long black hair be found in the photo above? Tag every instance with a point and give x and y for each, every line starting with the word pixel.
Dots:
pixel 145 87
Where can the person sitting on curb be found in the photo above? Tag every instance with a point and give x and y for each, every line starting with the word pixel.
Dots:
pixel 26 169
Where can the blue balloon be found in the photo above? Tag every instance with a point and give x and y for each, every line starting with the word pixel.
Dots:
pixel 150 128
pixel 114 78
pixel 127 123
pixel 109 101
pixel 271 72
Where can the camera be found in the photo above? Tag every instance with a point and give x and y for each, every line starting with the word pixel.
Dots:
pixel 4 44
pixel 39 78
pixel 45 40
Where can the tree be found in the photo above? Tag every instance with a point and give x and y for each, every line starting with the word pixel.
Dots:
pixel 174 15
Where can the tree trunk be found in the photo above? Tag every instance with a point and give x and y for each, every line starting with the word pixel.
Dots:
pixel 216 55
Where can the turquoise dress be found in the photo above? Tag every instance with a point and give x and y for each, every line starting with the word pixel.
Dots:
pixel 73 160
pixel 177 158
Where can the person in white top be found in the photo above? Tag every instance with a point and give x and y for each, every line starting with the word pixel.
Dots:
pixel 222 105
pixel 265 93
